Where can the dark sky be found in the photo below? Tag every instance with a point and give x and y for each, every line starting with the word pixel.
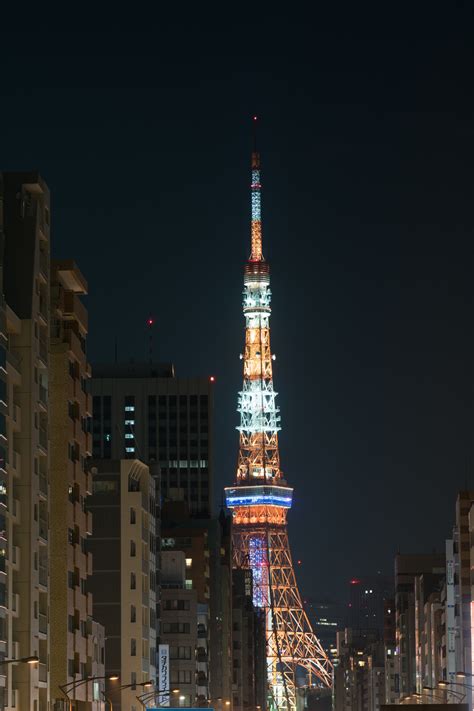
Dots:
pixel 140 124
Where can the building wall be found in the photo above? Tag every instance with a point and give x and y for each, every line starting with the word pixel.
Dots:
pixel 179 629
pixel 26 291
pixel 70 446
pixel 123 582
pixel 145 411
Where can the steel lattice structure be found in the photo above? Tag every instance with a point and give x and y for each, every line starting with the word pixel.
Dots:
pixel 260 498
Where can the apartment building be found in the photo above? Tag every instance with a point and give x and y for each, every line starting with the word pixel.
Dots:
pixel 73 634
pixel 180 632
pixel 123 546
pixel 25 215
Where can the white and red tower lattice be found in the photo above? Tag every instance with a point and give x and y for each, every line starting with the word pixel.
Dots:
pixel 260 498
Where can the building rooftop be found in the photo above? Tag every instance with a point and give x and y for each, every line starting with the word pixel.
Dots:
pixel 133 370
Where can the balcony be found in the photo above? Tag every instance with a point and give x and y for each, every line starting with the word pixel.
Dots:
pixel 43 438
pixel 44 264
pixel 42 673
pixel 145 566
pixel 43 576
pixel 43 530
pixel 14 361
pixel 43 624
pixel 75 310
pixel 43 484
pixel 43 350
pixel 43 395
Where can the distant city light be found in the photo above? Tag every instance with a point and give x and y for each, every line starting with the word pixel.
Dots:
pixel 150 322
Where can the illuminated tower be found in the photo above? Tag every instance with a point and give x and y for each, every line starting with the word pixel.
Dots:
pixel 260 498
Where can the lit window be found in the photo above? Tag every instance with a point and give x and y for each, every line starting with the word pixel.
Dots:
pixel 189 562
pixel 129 422
pixel 129 449
pixel 129 408
pixel 128 436
pixel 188 585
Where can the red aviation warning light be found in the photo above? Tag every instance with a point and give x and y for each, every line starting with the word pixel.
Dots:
pixel 150 322
pixel 212 379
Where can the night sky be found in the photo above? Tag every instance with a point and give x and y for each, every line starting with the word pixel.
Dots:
pixel 141 127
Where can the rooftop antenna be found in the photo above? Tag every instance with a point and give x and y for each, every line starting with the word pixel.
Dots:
pixel 150 323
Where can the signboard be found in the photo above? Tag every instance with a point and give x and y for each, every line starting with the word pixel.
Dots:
pixel 164 674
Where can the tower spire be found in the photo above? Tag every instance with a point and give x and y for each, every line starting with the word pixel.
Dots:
pixel 260 497
pixel 256 253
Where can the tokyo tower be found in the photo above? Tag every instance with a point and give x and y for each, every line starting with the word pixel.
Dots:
pixel 261 498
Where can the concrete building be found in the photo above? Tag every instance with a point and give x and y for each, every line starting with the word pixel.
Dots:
pixel 428 629
pixel 206 544
pixel 25 218
pixel 124 580
pixel 145 411
pixel 366 602
pixel 179 630
pixel 248 645
pixel 72 633
pixel 359 675
pixel 407 569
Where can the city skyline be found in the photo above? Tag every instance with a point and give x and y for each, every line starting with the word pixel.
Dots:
pixel 372 261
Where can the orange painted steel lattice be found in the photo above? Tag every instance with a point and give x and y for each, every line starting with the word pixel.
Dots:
pixel 260 498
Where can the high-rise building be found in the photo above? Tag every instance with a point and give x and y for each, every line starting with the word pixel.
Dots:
pixel 366 601
pixel 145 411
pixel 124 580
pixel 25 437
pixel 407 568
pixel 72 633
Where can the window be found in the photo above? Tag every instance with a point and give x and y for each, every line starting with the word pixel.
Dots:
pixel 71 669
pixel 130 422
pixel 70 579
pixel 133 613
pixel 70 623
pixel 133 516
pixel 70 535
pixel 133 549
pixel 180 652
pixel 133 581
pixel 133 680
pixel 189 562
pixel 129 450
pixel 128 435
pixel 176 605
pixel 176 627
pixel 133 647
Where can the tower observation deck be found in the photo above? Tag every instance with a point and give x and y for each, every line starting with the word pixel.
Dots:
pixel 260 497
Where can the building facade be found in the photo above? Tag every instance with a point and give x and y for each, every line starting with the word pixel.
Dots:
pixel 145 411
pixel 25 215
pixel 124 580
pixel 73 635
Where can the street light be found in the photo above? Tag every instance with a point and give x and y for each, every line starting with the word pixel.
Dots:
pixel 21 660
pixel 145 684
pixel 153 694
pixel 73 685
